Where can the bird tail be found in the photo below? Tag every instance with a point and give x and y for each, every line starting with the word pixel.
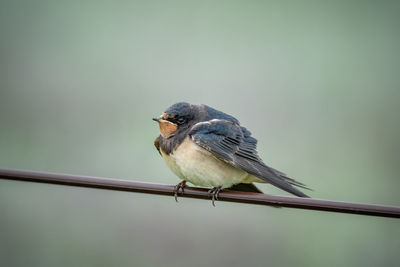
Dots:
pixel 291 180
pixel 277 179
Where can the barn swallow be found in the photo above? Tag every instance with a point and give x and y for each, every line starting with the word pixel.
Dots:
pixel 209 148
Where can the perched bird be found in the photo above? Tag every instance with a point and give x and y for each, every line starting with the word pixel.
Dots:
pixel 209 148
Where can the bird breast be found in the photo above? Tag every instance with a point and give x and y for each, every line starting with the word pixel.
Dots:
pixel 198 166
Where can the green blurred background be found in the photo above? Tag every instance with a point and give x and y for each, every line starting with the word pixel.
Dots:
pixel 316 82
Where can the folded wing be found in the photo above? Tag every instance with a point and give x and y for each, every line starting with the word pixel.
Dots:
pixel 234 144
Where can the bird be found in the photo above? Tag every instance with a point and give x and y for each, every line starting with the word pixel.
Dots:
pixel 209 148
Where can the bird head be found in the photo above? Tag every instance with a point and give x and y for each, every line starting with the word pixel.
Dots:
pixel 175 118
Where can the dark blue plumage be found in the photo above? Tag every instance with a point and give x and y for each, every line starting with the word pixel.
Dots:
pixel 212 113
pixel 227 141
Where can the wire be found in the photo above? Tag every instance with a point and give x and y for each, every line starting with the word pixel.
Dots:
pixel 201 193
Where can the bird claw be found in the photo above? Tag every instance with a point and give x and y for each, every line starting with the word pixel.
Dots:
pixel 181 186
pixel 214 193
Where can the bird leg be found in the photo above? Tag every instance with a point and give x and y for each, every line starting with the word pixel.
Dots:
pixel 214 193
pixel 181 186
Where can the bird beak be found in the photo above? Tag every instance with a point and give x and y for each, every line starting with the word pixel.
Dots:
pixel 157 119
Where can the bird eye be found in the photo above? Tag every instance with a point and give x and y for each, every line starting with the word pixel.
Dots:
pixel 180 120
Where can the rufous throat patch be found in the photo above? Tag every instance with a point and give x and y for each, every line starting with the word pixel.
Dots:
pixel 167 128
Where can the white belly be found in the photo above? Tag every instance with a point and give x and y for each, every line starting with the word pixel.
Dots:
pixel 198 166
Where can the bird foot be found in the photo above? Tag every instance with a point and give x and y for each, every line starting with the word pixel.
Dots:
pixel 214 193
pixel 179 187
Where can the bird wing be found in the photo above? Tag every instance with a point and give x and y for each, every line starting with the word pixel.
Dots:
pixel 234 144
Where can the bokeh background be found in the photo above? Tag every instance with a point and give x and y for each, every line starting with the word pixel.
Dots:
pixel 316 82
